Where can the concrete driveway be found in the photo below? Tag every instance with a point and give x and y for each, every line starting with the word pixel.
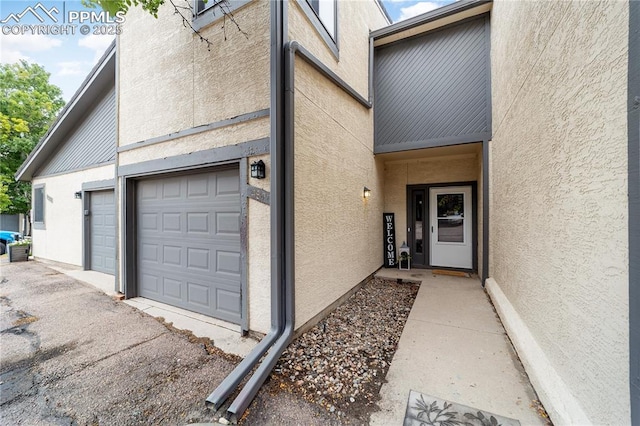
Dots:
pixel 72 355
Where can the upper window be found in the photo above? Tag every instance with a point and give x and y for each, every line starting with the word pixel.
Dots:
pixel 210 11
pixel 323 14
pixel 201 6
pixel 326 11
pixel 38 205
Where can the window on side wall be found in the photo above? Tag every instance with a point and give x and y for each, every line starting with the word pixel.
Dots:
pixel 323 14
pixel 38 206
pixel 205 13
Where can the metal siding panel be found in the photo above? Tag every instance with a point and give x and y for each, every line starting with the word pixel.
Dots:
pixel 92 142
pixel 433 86
pixel 10 222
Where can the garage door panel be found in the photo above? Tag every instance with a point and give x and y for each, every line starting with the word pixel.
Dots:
pixel 102 231
pixel 228 263
pixel 227 301
pixel 189 237
pixel 171 222
pixel 198 223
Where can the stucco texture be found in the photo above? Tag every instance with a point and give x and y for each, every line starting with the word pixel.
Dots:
pixel 259 266
pixel 230 135
pixel 171 82
pixel 559 249
pixel 338 234
pixel 355 20
pixel 61 241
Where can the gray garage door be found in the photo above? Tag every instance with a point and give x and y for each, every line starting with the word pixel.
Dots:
pixel 103 231
pixel 189 242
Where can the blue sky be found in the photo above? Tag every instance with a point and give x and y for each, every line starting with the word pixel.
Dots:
pixel 70 57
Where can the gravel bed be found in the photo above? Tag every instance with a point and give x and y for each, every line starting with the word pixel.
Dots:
pixel 341 362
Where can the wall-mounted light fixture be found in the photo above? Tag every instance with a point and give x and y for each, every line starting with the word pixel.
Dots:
pixel 77 195
pixel 257 170
pixel 366 193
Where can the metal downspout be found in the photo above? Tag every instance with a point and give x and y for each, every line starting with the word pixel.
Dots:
pixel 229 384
pixel 242 401
pixel 249 391
pixel 282 218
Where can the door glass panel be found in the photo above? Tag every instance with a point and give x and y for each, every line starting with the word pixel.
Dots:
pixel 450 218
pixel 419 229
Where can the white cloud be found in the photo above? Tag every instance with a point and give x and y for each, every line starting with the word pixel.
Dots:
pixel 417 9
pixel 16 47
pixel 97 43
pixel 73 68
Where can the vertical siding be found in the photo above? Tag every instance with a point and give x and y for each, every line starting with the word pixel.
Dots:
pixel 92 142
pixel 433 88
pixel 10 222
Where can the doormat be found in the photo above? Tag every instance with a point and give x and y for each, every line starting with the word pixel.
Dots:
pixel 423 409
pixel 452 273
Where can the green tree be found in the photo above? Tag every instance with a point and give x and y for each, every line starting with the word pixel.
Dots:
pixel 28 105
pixel 113 6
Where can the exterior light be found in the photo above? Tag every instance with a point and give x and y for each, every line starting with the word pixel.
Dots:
pixel 77 195
pixel 257 170
pixel 366 193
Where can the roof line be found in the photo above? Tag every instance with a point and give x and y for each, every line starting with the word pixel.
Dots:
pixel 385 11
pixel 66 110
pixel 439 13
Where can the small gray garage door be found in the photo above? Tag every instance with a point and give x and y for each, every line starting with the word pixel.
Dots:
pixel 188 230
pixel 103 231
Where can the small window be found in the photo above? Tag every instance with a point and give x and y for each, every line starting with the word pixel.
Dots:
pixel 323 14
pixel 38 205
pixel 205 13
pixel 201 6
pixel 325 10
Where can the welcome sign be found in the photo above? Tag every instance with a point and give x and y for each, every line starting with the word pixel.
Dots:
pixel 389 242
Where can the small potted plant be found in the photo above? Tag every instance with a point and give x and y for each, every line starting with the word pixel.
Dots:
pixel 19 251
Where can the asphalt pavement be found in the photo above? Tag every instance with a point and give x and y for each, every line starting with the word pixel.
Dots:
pixel 71 355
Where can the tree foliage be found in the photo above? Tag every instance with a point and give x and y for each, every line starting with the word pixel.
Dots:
pixel 114 6
pixel 28 105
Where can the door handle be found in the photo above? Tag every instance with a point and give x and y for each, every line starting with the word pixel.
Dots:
pixel 432 229
pixel 409 230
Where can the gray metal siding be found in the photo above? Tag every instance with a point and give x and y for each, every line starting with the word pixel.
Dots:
pixel 188 242
pixel 92 142
pixel 433 88
pixel 10 222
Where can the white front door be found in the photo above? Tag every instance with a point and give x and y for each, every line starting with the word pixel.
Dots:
pixel 451 232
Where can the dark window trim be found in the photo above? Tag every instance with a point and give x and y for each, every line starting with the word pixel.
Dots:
pixel 331 43
pixel 39 224
pixel 213 13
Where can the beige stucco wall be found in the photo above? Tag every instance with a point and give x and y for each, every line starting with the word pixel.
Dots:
pixel 169 81
pixel 426 169
pixel 559 249
pixel 338 240
pixel 62 239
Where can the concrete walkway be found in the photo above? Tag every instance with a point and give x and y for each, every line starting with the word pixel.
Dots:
pixel 454 347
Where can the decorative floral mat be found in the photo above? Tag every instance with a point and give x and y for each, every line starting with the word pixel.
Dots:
pixel 425 410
